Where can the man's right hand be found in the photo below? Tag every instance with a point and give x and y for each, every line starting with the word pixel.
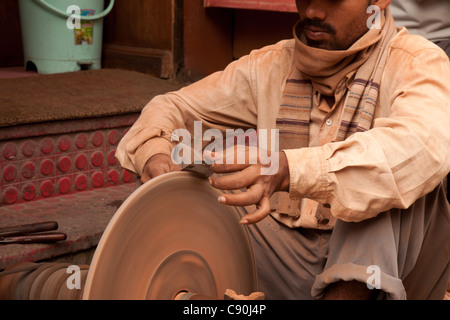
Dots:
pixel 157 165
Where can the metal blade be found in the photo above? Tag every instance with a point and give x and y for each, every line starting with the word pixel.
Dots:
pixel 201 168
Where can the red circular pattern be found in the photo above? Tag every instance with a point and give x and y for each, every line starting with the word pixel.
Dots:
pixel 64 185
pixel 113 176
pixel 9 151
pixel 81 162
pixel 114 137
pixel 16 172
pixel 64 164
pixel 81 140
pixel 64 143
pixel 112 157
pixel 10 173
pixel 29 192
pixel 97 158
pixel 47 167
pixel 81 182
pixel 97 138
pixel 28 170
pixel 46 146
pixel 97 179
pixel 46 188
pixel 28 148
pixel 10 195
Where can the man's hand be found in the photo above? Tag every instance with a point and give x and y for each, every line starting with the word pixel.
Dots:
pixel 158 165
pixel 259 187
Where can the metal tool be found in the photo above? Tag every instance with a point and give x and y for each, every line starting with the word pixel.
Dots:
pixel 172 237
pixel 31 233
pixel 34 238
pixel 28 228
pixel 200 168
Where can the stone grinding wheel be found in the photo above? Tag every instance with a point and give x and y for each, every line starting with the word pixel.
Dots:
pixel 171 236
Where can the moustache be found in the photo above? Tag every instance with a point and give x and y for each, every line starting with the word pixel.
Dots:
pixel 317 24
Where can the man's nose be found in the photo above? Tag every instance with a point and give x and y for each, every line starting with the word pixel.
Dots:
pixel 315 10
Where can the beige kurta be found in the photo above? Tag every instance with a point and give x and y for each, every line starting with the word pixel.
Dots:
pixel 403 157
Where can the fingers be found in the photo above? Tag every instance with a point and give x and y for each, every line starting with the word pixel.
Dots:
pixel 262 211
pixel 244 175
pixel 237 180
pixel 232 159
pixel 227 168
pixel 254 195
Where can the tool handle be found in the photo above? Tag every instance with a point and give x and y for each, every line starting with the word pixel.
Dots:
pixel 35 238
pixel 28 228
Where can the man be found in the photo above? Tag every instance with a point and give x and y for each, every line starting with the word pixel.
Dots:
pixel 357 207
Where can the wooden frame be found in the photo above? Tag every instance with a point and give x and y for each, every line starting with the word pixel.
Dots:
pixel 269 5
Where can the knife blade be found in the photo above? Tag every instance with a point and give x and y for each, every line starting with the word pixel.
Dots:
pixel 202 169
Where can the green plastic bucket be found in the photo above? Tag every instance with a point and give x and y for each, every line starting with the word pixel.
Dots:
pixel 52 45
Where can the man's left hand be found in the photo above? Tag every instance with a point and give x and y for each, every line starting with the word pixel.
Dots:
pixel 259 187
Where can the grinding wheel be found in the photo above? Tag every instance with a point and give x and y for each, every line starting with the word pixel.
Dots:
pixel 169 236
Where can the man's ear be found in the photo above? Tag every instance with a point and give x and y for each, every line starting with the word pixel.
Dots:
pixel 382 4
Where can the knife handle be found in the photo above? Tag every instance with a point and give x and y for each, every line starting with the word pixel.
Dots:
pixel 35 238
pixel 28 228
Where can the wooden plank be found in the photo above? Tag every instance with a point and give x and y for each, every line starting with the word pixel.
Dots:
pixel 270 5
pixel 139 23
pixel 156 62
pixel 208 39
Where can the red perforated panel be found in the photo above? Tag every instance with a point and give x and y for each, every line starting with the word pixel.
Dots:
pixel 42 167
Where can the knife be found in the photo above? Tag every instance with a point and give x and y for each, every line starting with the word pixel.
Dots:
pixel 202 169
pixel 28 228
pixel 34 238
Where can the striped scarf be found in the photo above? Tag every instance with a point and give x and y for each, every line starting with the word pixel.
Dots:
pixel 367 58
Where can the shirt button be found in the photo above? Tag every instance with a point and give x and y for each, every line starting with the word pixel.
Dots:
pixel 329 122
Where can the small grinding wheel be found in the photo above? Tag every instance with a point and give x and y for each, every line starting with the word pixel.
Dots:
pixel 169 237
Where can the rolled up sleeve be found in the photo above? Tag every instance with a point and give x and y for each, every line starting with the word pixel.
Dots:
pixel 403 157
pixel 221 100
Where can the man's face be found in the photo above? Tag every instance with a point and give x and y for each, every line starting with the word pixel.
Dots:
pixel 332 24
